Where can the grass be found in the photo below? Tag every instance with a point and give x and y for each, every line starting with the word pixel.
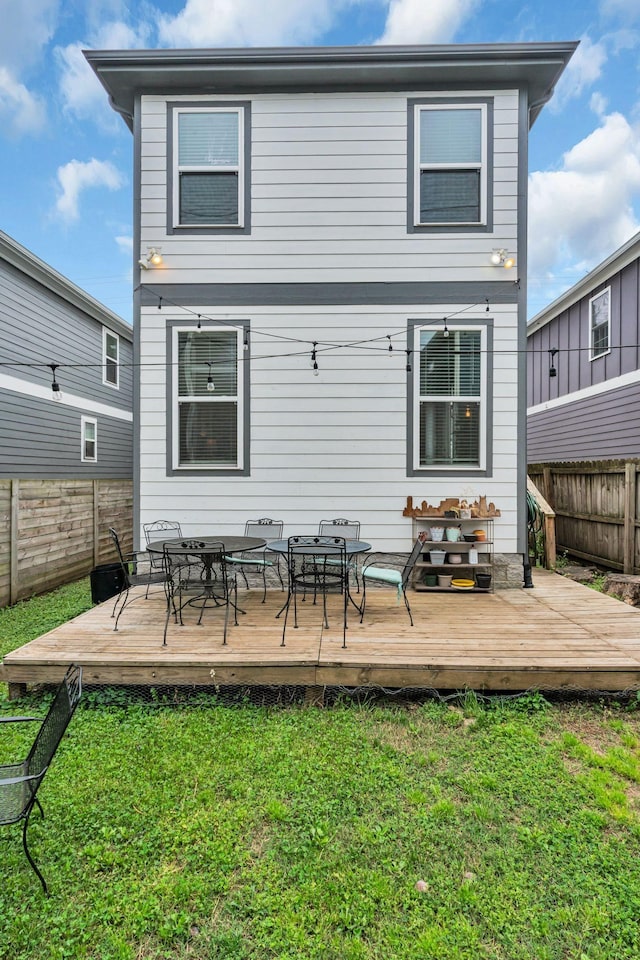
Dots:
pixel 242 832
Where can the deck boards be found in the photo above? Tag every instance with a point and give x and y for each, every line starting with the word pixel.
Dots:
pixel 559 635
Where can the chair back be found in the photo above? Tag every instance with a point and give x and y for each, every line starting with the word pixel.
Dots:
pixel 314 552
pixel 161 530
pixel 121 557
pixel 411 561
pixel 54 725
pixel 265 528
pixel 340 527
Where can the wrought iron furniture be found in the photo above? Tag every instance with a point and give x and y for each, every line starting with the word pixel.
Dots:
pixel 350 530
pixel 158 529
pixel 310 572
pixel 377 568
pixel 136 573
pixel 197 575
pixel 271 530
pixel 19 782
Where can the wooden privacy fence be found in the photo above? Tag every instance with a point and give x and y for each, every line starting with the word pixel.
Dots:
pixel 597 505
pixel 56 531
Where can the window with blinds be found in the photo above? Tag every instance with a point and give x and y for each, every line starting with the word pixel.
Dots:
pixel 450 402
pixel 600 323
pixel 208 397
pixel 111 357
pixel 450 164
pixel 208 181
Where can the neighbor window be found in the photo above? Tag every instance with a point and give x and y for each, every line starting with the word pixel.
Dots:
pixel 208 399
pixel 111 355
pixel 450 398
pixel 450 164
pixel 600 323
pixel 89 431
pixel 208 178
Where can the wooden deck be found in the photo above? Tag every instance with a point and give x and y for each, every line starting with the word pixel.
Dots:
pixel 559 635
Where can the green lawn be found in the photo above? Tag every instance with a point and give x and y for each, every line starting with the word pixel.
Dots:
pixel 235 831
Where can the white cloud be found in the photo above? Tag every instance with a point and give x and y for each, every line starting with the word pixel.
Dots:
pixel 625 10
pixel 426 21
pixel 26 28
pixel 582 71
pixel 583 212
pixel 76 176
pixel 81 91
pixel 125 244
pixel 21 110
pixel 204 23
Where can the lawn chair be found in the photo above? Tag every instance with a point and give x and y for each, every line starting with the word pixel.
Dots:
pixel 348 530
pixel 135 573
pixel 189 581
pixel 316 565
pixel 160 530
pixel 265 529
pixel 376 568
pixel 19 782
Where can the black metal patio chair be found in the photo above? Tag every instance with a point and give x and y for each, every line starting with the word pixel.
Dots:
pixel 160 530
pixel 266 529
pixel 350 530
pixel 392 570
pixel 19 782
pixel 316 565
pixel 136 572
pixel 199 581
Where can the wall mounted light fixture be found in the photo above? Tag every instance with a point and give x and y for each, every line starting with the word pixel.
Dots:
pixel 153 258
pixel 552 368
pixel 501 258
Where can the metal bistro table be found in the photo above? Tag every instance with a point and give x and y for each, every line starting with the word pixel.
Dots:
pixel 323 548
pixel 206 549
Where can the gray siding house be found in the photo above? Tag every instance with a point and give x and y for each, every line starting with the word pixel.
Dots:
pixel 45 319
pixel 66 454
pixel 583 399
pixel 313 208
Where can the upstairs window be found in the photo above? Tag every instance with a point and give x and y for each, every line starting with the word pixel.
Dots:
pixel 450 165
pixel 89 443
pixel 450 399
pixel 600 324
pixel 111 358
pixel 209 399
pixel 208 150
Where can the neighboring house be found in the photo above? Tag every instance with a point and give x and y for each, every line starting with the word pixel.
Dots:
pixel 584 367
pixel 66 455
pixel 45 319
pixel 314 208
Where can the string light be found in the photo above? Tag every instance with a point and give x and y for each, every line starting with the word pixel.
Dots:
pixel 486 300
pixel 210 384
pixel 390 344
pixel 245 341
pixel 408 368
pixel 160 303
pixel 445 332
pixel 199 327
pixel 314 361
pixel 56 393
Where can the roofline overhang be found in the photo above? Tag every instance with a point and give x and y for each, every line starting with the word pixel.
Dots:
pixel 617 261
pixel 27 263
pixel 126 74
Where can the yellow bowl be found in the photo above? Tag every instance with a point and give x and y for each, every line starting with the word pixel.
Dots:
pixel 463 584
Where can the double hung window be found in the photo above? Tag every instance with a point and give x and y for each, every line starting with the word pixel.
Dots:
pixel 450 164
pixel 208 399
pixel 600 324
pixel 89 440
pixel 208 176
pixel 450 399
pixel 111 357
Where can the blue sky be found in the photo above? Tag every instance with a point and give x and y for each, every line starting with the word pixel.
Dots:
pixel 66 157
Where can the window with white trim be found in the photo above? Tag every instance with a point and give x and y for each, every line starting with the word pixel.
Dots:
pixel 208 392
pixel 208 179
pixel 111 358
pixel 450 387
pixel 89 442
pixel 600 324
pixel 450 164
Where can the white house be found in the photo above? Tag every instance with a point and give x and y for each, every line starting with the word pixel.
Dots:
pixel 331 328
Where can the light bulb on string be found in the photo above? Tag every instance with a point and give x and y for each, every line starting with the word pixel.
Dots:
pixel 245 341
pixel 390 344
pixel 408 367
pixel 445 332
pixel 210 384
pixel 199 327
pixel 56 393
pixel 486 300
pixel 159 303
pixel 314 361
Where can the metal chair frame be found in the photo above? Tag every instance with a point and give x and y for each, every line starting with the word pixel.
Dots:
pixel 186 585
pixel 160 530
pixel 386 561
pixel 19 782
pixel 350 530
pixel 132 578
pixel 266 529
pixel 317 573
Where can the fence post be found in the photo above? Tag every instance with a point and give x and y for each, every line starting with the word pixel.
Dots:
pixel 96 524
pixel 13 542
pixel 629 533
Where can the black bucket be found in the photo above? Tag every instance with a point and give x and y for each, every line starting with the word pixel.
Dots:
pixel 107 580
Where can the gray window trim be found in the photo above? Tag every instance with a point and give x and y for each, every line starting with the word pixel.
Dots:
pixel 105 334
pixel 244 106
pixel 487 173
pixel 84 421
pixel 413 327
pixel 245 397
